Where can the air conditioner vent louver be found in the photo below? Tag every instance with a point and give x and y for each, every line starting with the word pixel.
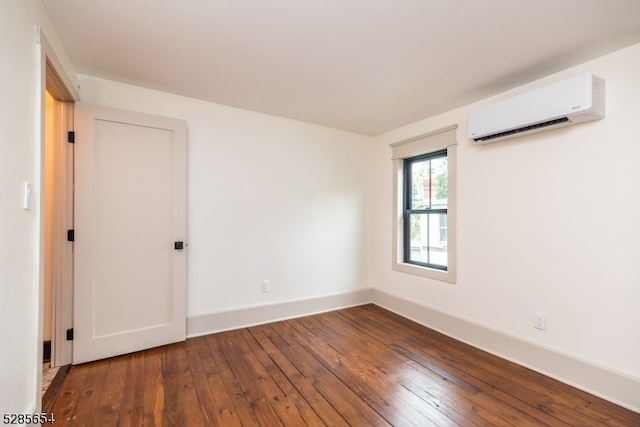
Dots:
pixel 522 129
pixel 575 100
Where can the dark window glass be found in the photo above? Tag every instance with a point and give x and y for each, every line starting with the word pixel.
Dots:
pixel 425 210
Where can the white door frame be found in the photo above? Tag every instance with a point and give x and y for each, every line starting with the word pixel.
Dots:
pixel 50 74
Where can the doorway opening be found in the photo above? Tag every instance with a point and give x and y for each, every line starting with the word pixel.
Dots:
pixel 49 369
pixel 57 218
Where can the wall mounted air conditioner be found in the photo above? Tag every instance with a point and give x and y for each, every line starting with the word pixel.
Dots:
pixel 575 100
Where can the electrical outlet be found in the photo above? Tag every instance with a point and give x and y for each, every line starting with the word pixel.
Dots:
pixel 265 286
pixel 540 321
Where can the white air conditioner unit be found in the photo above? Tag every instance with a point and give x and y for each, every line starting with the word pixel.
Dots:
pixel 575 100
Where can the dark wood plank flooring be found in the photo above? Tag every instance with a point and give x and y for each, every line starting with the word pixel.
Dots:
pixel 361 366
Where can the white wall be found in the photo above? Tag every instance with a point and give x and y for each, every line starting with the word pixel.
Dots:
pixel 548 223
pixel 20 151
pixel 269 198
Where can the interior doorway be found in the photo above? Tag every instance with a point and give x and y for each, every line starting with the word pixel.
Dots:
pixel 56 218
pixel 49 202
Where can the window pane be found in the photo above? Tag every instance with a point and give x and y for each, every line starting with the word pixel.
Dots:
pixel 429 183
pixel 428 234
pixel 438 182
pixel 420 191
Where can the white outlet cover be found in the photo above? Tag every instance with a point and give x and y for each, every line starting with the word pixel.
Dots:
pixel 265 286
pixel 540 321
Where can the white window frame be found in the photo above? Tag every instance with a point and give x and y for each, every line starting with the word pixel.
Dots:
pixel 431 142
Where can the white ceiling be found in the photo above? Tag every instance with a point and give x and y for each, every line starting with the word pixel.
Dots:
pixel 367 66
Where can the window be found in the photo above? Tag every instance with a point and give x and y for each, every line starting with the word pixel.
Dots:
pixel 425 205
pixel 425 210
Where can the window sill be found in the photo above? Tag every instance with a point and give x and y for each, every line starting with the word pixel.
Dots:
pixel 431 273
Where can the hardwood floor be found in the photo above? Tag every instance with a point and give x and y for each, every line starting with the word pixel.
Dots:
pixel 361 366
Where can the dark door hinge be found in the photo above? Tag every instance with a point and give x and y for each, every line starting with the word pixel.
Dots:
pixel 70 334
pixel 71 137
pixel 71 235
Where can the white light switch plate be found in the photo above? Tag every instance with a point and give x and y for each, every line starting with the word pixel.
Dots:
pixel 26 195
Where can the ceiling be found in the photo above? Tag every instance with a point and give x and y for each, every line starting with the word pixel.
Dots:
pixel 366 66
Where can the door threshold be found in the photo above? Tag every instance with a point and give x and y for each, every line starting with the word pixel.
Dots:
pixel 54 388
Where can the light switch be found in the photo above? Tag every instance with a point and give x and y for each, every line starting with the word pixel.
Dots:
pixel 26 195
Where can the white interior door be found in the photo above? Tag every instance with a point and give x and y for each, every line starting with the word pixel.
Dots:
pixel 130 209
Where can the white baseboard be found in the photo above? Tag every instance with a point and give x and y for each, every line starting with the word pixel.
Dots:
pixel 257 315
pixel 603 382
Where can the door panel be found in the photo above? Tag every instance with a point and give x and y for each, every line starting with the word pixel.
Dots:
pixel 130 207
